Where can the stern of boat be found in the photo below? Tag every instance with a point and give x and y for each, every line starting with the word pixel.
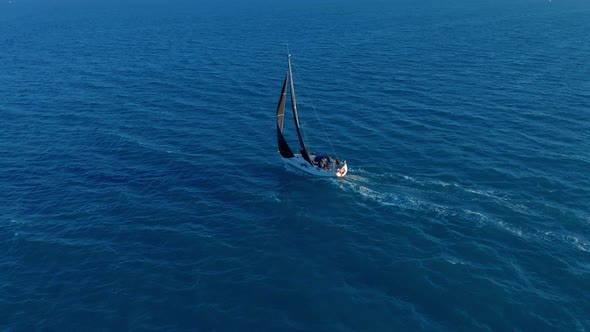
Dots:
pixel 341 172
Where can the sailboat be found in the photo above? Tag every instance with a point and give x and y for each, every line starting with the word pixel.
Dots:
pixel 316 164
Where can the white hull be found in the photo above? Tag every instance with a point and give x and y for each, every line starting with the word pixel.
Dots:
pixel 301 164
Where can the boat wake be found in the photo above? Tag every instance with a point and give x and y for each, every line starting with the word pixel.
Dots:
pixel 453 203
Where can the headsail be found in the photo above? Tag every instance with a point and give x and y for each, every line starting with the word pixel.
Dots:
pixel 304 151
pixel 284 148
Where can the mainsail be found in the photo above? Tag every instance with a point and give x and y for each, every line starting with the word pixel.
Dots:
pixel 284 148
pixel 304 151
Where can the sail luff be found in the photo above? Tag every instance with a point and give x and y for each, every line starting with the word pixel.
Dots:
pixel 284 148
pixel 304 151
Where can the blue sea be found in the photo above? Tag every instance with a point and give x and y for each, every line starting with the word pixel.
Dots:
pixel 141 189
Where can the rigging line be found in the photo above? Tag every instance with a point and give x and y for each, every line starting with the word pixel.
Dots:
pixel 307 122
pixel 316 112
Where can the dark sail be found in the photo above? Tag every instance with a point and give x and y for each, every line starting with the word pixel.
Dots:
pixel 304 151
pixel 284 149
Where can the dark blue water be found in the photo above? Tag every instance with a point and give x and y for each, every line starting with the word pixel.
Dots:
pixel 140 188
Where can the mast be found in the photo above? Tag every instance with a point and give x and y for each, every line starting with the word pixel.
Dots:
pixel 304 151
pixel 284 148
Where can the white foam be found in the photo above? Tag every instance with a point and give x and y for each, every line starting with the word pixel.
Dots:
pixel 387 198
pixel 273 197
pixel 398 196
pixel 452 259
pixel 576 240
pixel 512 229
pixel 579 243
pixel 412 203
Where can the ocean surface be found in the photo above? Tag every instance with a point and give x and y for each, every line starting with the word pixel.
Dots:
pixel 141 189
